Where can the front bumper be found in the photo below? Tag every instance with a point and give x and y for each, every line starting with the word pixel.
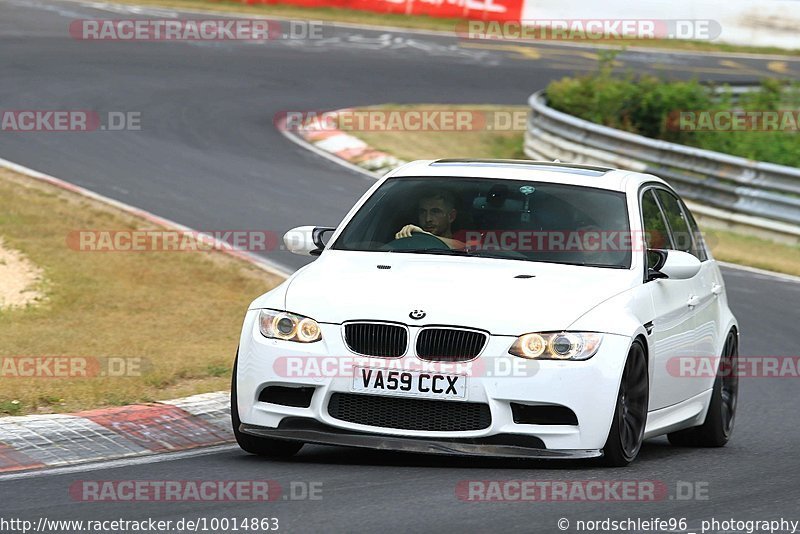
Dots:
pixel 587 388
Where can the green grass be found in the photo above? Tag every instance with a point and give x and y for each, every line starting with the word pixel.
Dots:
pixel 329 14
pixel 753 251
pixel 650 106
pixel 13 407
pixel 408 145
pixel 179 313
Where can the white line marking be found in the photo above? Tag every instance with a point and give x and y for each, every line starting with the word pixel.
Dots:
pixel 123 462
pixel 327 155
pixel 755 270
pixel 439 33
pixel 258 261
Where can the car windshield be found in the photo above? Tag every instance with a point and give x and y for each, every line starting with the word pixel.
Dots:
pixel 481 217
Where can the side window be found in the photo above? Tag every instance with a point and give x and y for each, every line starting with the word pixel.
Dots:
pixel 678 224
pixel 699 249
pixel 655 228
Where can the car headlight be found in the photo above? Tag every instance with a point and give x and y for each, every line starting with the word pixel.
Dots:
pixel 557 345
pixel 288 326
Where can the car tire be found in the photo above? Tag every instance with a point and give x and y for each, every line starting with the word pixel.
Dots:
pixel 270 448
pixel 630 414
pixel 717 428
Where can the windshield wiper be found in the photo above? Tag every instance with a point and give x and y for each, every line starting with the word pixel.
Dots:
pixel 583 264
pixel 500 255
pixel 440 251
pixel 461 252
pixel 606 265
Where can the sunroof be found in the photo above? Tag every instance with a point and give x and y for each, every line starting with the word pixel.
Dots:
pixel 583 170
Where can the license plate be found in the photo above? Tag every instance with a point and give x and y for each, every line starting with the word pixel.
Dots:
pixel 409 383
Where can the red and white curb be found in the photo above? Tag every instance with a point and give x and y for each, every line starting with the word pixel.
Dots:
pixel 338 145
pixel 56 440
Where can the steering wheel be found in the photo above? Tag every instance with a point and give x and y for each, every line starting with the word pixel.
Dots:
pixel 416 241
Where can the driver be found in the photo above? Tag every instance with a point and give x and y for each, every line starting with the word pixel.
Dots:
pixel 436 212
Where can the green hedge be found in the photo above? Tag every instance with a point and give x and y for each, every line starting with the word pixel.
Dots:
pixel 649 106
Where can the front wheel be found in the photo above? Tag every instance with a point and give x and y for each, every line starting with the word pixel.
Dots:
pixel 270 448
pixel 630 415
pixel 716 430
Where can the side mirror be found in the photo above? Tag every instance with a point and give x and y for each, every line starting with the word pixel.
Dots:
pixel 306 240
pixel 673 264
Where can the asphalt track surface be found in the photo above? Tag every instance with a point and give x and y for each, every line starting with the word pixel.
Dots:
pixel 209 157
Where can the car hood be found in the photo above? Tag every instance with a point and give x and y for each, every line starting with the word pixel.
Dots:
pixel 490 294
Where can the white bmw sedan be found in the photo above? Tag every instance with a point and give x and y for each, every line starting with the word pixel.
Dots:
pixel 500 308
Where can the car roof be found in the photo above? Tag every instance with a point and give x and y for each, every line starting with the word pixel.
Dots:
pixel 520 169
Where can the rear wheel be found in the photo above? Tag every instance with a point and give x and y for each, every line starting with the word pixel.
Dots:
pixel 716 430
pixel 630 415
pixel 271 448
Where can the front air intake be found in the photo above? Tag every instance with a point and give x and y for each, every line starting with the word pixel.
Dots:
pixel 409 414
pixel 544 414
pixel 298 397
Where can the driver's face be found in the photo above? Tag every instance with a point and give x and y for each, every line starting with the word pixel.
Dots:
pixel 434 217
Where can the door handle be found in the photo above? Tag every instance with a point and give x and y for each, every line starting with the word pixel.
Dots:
pixel 716 289
pixel 693 301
